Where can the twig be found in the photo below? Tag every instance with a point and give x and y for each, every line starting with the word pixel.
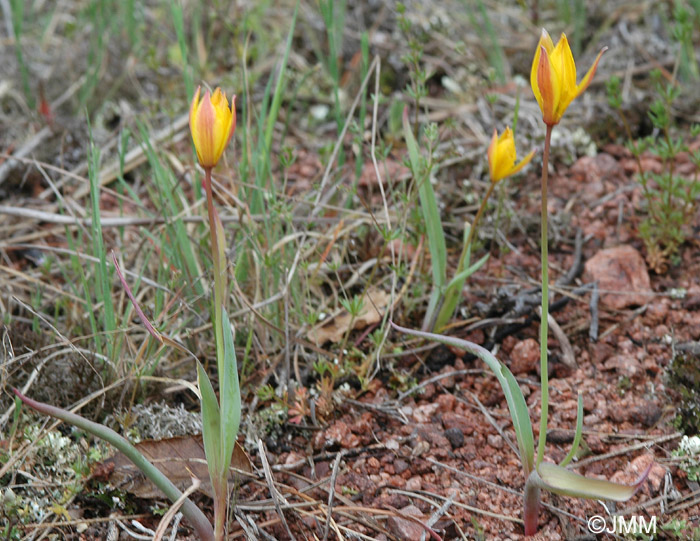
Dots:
pixel 276 496
pixel 331 493
pixel 174 509
pixel 593 304
pixel 567 351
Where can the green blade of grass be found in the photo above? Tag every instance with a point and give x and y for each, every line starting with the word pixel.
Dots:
pixel 102 276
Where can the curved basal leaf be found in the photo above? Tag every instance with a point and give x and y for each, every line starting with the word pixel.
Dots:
pixel 514 396
pixel 579 432
pixel 567 483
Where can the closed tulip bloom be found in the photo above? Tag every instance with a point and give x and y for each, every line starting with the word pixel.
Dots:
pixel 212 123
pixel 502 156
pixel 553 77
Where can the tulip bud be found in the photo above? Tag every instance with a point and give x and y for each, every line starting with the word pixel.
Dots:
pixel 502 156
pixel 212 124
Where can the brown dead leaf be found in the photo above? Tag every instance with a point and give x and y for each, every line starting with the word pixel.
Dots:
pixel 335 328
pixel 178 458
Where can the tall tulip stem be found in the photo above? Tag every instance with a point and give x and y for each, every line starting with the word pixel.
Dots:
pixel 217 250
pixel 544 314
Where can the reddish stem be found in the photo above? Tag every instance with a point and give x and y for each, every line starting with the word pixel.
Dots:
pixel 531 506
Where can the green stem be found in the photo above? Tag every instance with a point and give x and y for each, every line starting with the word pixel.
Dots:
pixel 544 314
pixel 218 271
pixel 472 229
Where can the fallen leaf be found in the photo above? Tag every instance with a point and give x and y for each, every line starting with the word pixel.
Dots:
pixel 335 328
pixel 178 458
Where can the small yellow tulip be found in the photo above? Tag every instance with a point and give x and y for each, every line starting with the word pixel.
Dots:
pixel 212 124
pixel 502 156
pixel 553 77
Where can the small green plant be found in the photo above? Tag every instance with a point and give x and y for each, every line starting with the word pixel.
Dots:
pixel 212 123
pixel 554 91
pixel 670 198
pixel 446 295
pixel 681 530
pixel 688 453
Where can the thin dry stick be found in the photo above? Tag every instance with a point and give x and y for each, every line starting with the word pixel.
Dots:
pixel 331 493
pixel 276 496
pixel 394 277
pixel 626 450
pixel 175 508
pixel 439 513
pixel 27 148
pixel 341 138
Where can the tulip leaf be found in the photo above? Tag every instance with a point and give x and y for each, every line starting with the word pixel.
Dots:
pixel 431 216
pixel 189 509
pixel 230 396
pixel 518 413
pixel 567 483
pixel 514 396
pixel 466 273
pixel 211 422
pixel 579 431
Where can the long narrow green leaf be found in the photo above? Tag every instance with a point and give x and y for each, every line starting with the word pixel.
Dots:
pixel 514 396
pixel 431 215
pixel 567 483
pixel 211 422
pixel 189 509
pixel 429 208
pixel 279 86
pixel 466 273
pixel 579 432
pixel 520 416
pixel 230 396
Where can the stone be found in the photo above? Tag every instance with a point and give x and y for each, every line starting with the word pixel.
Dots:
pixel 455 436
pixel 593 170
pixel 624 365
pixel 622 276
pixel 525 356
pixel 404 528
pixel 495 441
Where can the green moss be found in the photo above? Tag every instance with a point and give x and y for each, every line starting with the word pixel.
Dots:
pixel 684 378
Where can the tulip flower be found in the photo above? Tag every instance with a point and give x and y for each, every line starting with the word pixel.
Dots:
pixel 553 77
pixel 502 156
pixel 212 124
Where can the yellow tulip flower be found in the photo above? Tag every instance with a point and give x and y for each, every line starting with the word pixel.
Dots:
pixel 502 156
pixel 553 77
pixel 212 124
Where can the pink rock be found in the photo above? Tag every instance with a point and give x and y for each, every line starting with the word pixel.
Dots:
pixel 622 277
pixel 623 365
pixel 495 441
pixel 340 433
pixel 404 528
pixel 525 356
pixel 593 170
pixel 414 483
pixel 631 473
pixel 423 414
